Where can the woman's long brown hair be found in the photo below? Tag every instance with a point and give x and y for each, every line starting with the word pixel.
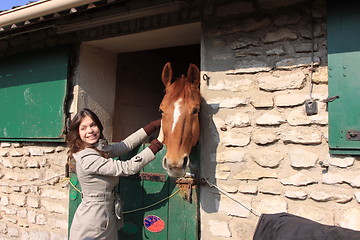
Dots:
pixel 73 138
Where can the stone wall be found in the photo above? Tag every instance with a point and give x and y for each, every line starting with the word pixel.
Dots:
pixel 33 196
pixel 258 144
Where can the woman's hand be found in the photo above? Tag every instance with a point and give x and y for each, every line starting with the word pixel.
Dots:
pixel 151 127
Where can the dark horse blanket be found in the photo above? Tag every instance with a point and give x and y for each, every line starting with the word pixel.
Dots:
pixel 284 226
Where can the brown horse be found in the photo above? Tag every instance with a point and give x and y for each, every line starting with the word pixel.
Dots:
pixel 180 120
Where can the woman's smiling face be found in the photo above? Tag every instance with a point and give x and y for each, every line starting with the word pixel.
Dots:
pixel 88 130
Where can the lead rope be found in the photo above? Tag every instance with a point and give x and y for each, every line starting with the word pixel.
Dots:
pixel 135 210
pixel 253 211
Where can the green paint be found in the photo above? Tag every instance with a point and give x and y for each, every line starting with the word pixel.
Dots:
pixel 343 64
pixel 33 87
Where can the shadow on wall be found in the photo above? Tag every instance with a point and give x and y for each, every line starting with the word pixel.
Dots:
pixel 210 197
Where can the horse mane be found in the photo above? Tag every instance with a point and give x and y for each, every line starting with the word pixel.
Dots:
pixel 181 88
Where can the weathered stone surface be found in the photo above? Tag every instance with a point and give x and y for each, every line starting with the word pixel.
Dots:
pixel 15 153
pixel 282 80
pixel 249 189
pixel 269 205
pixel 300 158
pixel 4 200
pixel 263 137
pixel 302 136
pixel 248 52
pixel 58 222
pixel 59 149
pixel 275 51
pixel 52 193
pixel 280 35
pixel 219 228
pixel 32 163
pixel 357 196
pixel 224 168
pixel 13 232
pixel 228 188
pixel 320 75
pixel 36 151
pixel 232 85
pixel 245 42
pixel 288 19
pixel 18 200
pixel 231 157
pixel 238 120
pixel 299 179
pixel 5 144
pixel 315 213
pixel 298 117
pixel 321 196
pixel 297 62
pixel 233 208
pixel 350 219
pixel 270 119
pixel 268 158
pixel 7 163
pixel 262 101
pixel 235 140
pixel 221 175
pixel 298 195
pixel 305 47
pixel 351 178
pixel 341 161
pixel 250 66
pixel 256 174
pixel 4 153
pixel 54 207
pixel 33 202
pixel 289 100
pixel 270 186
pixel 228 102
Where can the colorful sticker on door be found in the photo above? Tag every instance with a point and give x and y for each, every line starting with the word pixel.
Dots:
pixel 154 223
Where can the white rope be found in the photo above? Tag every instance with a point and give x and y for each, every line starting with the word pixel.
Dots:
pixel 37 183
pixel 253 211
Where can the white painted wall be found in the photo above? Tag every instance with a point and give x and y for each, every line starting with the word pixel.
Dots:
pixel 96 81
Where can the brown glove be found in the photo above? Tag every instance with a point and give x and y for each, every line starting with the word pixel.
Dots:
pixel 151 127
pixel 155 146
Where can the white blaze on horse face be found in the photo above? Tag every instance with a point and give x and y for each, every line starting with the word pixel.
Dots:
pixel 176 113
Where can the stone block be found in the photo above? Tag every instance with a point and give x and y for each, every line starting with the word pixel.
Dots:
pixel 282 80
pixel 300 158
pixel 272 118
pixel 350 219
pixel 219 228
pixel 283 34
pixel 239 206
pixel 298 179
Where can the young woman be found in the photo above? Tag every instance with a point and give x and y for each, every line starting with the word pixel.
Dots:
pixel 98 174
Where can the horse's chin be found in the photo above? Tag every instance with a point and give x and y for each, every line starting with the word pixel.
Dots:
pixel 175 172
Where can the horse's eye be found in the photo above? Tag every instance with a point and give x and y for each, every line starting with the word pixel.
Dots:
pixel 195 111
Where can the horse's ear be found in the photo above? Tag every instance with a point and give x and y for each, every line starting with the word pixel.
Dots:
pixel 167 74
pixel 193 75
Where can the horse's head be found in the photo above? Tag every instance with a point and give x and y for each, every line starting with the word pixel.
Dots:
pixel 180 121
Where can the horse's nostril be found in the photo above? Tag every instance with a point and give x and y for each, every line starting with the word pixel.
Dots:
pixel 186 160
pixel 164 162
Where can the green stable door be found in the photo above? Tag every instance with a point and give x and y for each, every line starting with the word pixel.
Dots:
pixel 155 206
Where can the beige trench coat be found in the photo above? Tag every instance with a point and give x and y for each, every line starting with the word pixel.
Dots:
pixel 95 217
